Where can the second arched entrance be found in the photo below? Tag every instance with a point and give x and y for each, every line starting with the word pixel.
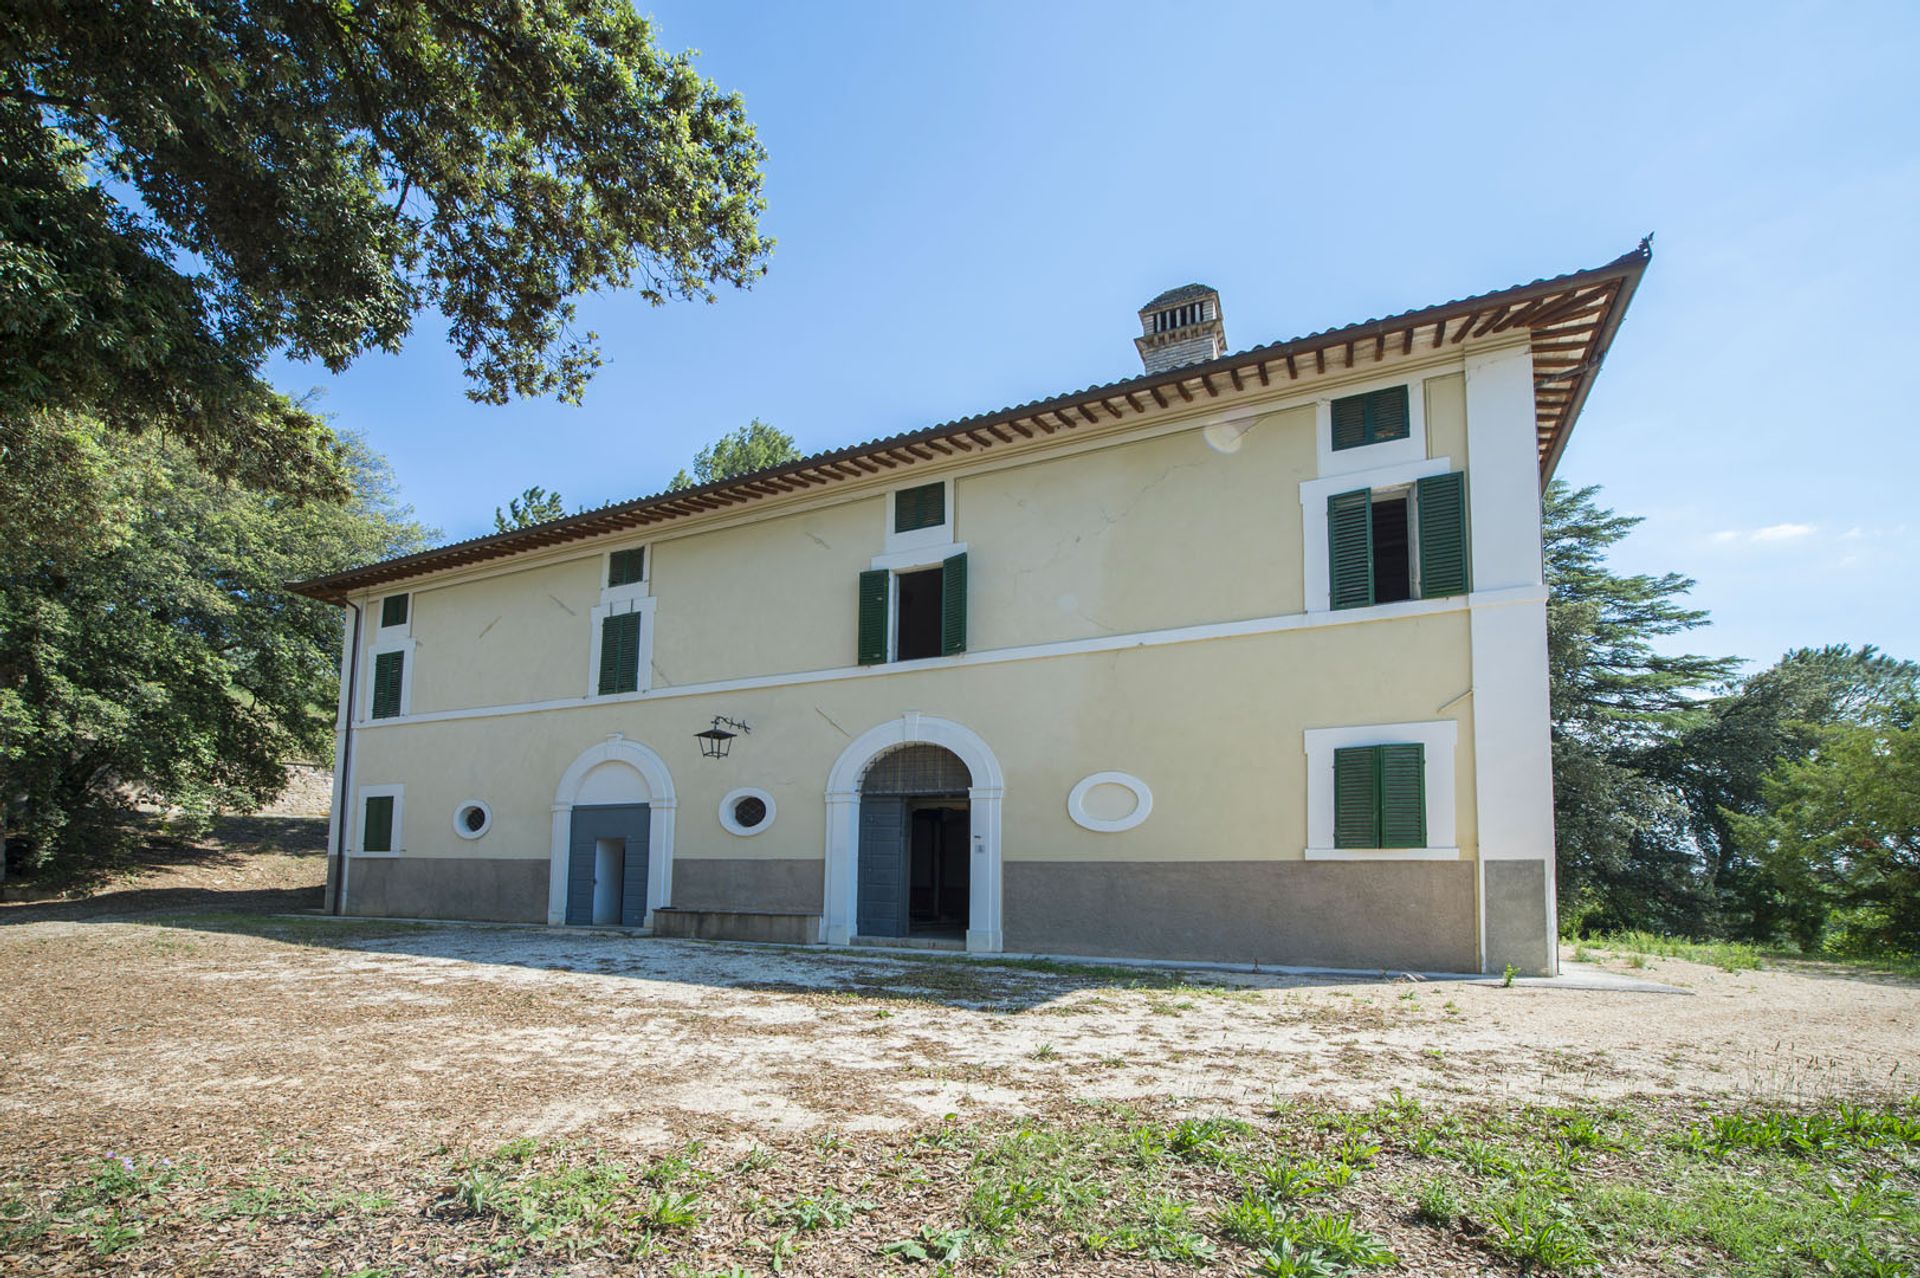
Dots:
pixel 930 780
pixel 915 831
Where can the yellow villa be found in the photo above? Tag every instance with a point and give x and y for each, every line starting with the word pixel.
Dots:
pixel 1242 659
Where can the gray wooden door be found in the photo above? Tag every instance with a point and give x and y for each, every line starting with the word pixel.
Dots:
pixel 591 823
pixel 882 878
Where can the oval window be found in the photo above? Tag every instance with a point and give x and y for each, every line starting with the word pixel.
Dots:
pixel 472 819
pixel 746 811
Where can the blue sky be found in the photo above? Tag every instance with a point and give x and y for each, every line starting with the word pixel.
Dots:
pixel 971 203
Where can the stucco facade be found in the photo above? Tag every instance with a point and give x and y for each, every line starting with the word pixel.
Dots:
pixel 1151 691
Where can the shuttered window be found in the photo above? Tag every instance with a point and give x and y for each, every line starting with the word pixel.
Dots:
pixel 871 640
pixel 624 567
pixel 388 670
pixel 1350 549
pixel 1372 418
pixel 1380 796
pixel 1356 562
pixel 1440 506
pixel 953 605
pixel 620 653
pixel 376 829
pixel 393 610
pixel 922 507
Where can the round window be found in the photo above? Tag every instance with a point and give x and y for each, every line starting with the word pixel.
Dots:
pixel 472 819
pixel 746 811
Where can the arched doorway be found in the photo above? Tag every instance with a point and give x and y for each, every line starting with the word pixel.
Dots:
pixel 905 801
pixel 612 845
pixel 912 874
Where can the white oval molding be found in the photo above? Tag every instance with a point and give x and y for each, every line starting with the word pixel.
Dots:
pixel 460 810
pixel 1142 802
pixel 733 797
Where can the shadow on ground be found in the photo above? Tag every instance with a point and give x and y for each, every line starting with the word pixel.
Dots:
pixel 261 864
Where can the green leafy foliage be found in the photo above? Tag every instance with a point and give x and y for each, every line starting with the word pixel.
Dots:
pixel 755 446
pixel 534 506
pixel 1841 832
pixel 186 189
pixel 1667 769
pixel 153 650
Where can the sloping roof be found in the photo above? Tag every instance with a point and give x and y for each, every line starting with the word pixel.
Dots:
pixel 1175 296
pixel 1571 318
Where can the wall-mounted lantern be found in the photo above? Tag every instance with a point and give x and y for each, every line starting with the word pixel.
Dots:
pixel 715 741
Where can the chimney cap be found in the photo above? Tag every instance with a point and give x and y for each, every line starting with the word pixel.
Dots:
pixel 1174 296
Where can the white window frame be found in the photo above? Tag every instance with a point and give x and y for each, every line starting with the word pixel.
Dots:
pixel 1440 737
pixel 379 607
pixel 633 589
pixel 734 796
pixel 460 827
pixel 613 604
pixel 1391 452
pixel 1313 516
pixel 398 793
pixel 381 644
pixel 919 539
pixel 911 560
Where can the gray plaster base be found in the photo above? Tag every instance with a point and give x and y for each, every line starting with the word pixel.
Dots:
pixel 793 886
pixel 1410 916
pixel 1519 928
pixel 486 889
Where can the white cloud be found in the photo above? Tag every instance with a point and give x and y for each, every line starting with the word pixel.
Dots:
pixel 1762 536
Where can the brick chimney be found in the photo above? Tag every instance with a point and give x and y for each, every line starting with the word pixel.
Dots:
pixel 1181 326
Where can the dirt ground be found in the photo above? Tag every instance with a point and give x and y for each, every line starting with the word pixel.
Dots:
pixel 144 1020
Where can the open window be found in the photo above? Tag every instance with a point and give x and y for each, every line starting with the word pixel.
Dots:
pixel 1389 544
pixel 910 614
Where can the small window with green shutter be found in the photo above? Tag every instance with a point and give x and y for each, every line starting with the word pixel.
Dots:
pixel 922 507
pixel 389 673
pixel 625 567
pixel 1371 418
pixel 619 654
pixel 1380 796
pixel 393 611
pixel 376 825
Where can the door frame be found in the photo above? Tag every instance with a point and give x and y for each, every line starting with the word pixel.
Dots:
pixel 650 783
pixel 984 797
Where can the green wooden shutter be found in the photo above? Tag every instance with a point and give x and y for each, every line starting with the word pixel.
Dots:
pixel 620 653
pixel 922 507
pixel 1387 415
pixel 1403 796
pixel 1356 805
pixel 1349 422
pixel 1372 418
pixel 871 641
pixel 1440 505
pixel 624 567
pixel 376 830
pixel 388 667
pixel 953 605
pixel 1350 549
pixel 393 610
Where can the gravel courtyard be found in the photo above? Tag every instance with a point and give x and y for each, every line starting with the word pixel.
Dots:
pixel 257 1044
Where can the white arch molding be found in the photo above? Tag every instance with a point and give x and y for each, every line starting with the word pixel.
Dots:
pixel 615 771
pixel 983 805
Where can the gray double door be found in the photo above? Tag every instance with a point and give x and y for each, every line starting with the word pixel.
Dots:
pixel 882 907
pixel 607 865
